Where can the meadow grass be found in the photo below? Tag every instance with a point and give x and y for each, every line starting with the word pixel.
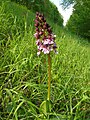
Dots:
pixel 23 75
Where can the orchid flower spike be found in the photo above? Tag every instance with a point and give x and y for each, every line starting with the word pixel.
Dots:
pixel 45 39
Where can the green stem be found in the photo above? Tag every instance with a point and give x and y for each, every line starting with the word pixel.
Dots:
pixel 49 75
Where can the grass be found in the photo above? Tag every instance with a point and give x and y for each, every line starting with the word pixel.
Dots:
pixel 23 75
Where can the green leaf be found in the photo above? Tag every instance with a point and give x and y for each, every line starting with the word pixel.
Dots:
pixel 19 106
pixel 45 107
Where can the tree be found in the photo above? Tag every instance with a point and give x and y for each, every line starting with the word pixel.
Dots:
pixel 67 3
pixel 79 21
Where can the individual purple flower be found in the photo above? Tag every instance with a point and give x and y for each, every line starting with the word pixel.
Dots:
pixel 38 53
pixel 45 39
pixel 36 35
pixel 45 50
pixel 48 42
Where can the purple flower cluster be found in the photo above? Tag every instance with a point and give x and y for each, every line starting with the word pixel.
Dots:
pixel 45 38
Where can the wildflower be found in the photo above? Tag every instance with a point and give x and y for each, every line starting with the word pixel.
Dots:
pixel 45 39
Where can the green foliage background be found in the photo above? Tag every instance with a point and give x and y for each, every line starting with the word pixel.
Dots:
pixel 43 6
pixel 23 75
pixel 79 22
